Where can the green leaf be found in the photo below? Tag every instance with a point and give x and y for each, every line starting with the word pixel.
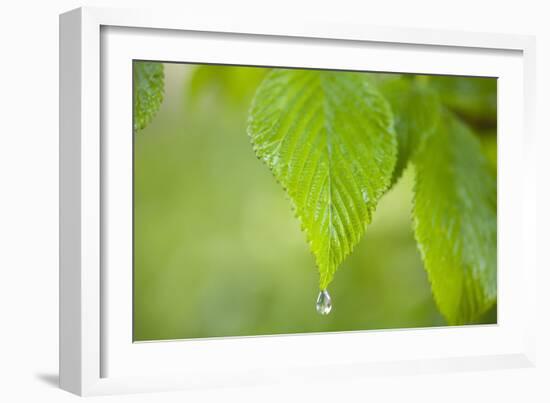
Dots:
pixel 472 98
pixel 455 221
pixel 328 138
pixel 416 110
pixel 148 92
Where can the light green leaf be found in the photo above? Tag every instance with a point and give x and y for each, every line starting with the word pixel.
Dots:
pixel 455 221
pixel 328 138
pixel 416 110
pixel 148 92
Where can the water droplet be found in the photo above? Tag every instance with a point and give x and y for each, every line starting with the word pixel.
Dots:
pixel 324 303
pixel 365 195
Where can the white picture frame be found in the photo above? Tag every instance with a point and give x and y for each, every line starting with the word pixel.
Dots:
pixel 97 355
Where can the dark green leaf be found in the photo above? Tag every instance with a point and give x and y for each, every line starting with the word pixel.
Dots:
pixel 148 92
pixel 489 145
pixel 472 98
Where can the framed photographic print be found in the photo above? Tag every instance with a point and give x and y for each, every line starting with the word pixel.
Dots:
pixel 246 202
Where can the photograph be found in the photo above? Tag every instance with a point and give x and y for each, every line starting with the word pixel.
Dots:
pixel 273 201
pixel 283 200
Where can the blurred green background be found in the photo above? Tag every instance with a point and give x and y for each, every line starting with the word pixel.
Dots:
pixel 217 250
